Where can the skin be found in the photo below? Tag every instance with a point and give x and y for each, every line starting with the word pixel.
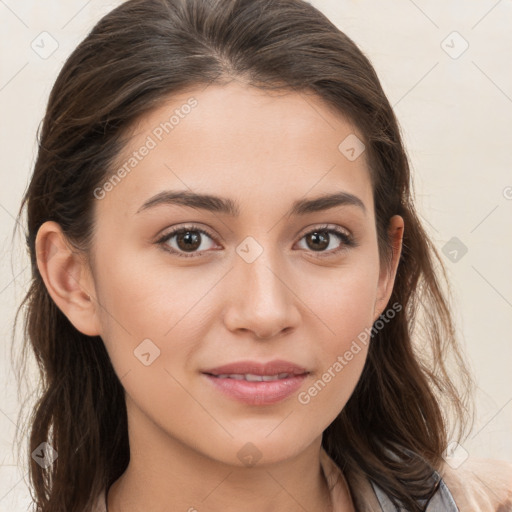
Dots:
pixel 264 150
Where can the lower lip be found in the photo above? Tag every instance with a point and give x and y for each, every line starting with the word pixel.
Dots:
pixel 260 392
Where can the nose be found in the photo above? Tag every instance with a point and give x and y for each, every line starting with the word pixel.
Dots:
pixel 261 298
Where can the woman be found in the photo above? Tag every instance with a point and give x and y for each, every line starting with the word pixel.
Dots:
pixel 227 274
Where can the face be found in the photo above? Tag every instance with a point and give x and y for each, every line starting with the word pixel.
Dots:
pixel 257 282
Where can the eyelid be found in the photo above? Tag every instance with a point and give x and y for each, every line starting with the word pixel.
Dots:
pixel 174 231
pixel 347 239
pixel 324 227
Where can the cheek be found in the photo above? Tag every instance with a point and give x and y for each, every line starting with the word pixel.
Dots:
pixel 345 308
pixel 342 354
pixel 343 300
pixel 147 308
pixel 327 394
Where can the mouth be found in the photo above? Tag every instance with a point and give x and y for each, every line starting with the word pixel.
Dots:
pixel 251 377
pixel 253 370
pixel 257 383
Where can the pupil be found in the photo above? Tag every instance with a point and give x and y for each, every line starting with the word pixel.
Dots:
pixel 188 238
pixel 319 236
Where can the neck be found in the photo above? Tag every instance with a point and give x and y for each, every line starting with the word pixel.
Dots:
pixel 164 474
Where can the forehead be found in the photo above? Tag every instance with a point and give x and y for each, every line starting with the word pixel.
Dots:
pixel 238 141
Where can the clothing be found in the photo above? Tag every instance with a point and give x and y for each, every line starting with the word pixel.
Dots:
pixel 478 485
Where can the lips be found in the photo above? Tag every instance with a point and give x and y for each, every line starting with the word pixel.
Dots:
pixel 255 383
pixel 251 377
pixel 254 368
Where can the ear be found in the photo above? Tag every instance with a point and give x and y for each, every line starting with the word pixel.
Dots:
pixel 67 278
pixel 388 272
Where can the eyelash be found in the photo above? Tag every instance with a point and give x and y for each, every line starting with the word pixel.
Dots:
pixel 348 241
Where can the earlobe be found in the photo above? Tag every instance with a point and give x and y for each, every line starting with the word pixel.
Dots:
pixel 388 272
pixel 65 276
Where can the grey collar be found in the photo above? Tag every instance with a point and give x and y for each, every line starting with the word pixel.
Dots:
pixel 441 501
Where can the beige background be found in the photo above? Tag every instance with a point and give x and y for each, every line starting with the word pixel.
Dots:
pixel 455 110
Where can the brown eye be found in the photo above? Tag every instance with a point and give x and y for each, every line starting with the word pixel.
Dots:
pixel 319 239
pixel 187 240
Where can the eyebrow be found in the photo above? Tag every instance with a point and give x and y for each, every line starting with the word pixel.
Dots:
pixel 230 207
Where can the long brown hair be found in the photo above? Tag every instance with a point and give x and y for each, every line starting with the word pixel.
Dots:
pixel 133 59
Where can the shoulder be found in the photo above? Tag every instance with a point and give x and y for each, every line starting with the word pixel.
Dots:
pixel 477 485
pixel 480 485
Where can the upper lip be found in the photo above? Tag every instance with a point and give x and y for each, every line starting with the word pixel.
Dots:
pixel 255 368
